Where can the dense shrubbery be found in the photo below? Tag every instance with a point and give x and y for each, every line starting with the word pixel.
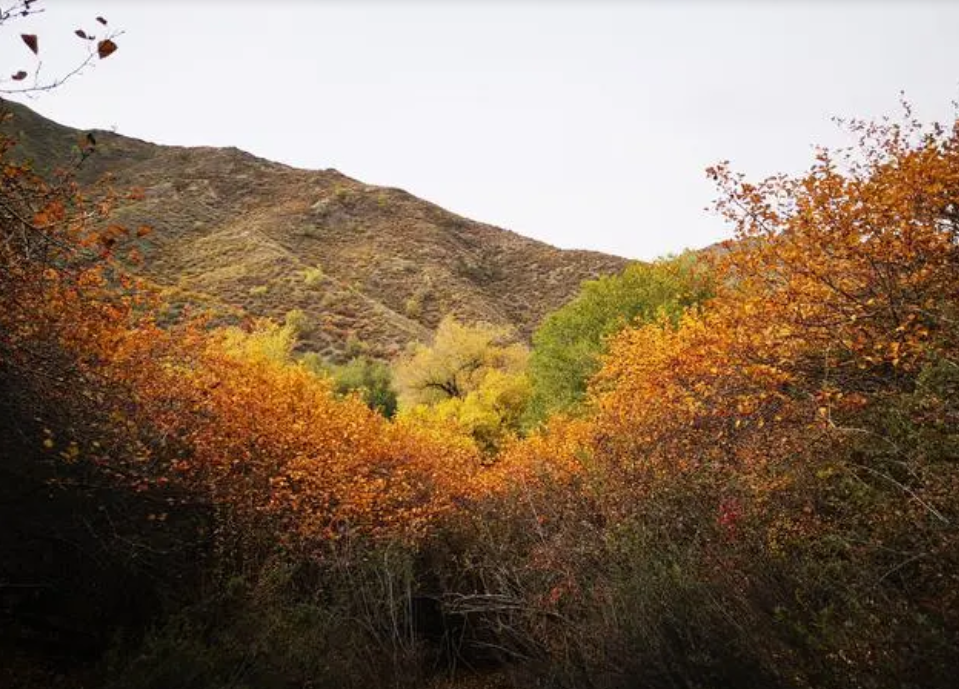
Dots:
pixel 761 492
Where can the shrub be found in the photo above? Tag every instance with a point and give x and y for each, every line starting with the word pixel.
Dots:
pixel 313 276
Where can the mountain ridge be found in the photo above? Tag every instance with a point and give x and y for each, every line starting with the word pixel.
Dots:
pixel 371 268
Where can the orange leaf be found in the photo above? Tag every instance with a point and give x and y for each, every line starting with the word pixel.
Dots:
pixel 106 48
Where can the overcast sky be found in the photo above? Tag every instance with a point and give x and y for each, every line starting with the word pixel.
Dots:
pixel 583 124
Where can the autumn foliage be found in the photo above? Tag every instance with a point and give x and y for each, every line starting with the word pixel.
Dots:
pixel 781 424
pixel 765 492
pixel 760 489
pixel 212 410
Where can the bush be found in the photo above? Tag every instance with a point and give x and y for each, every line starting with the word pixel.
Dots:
pixel 313 276
pixel 346 623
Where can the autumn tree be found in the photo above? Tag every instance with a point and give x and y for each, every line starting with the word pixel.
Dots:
pixel 471 376
pixel 795 430
pixel 174 460
pixel 456 362
pixel 766 491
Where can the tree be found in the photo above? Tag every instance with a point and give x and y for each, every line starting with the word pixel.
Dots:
pixel 567 345
pixel 471 378
pixel 794 443
pixel 456 363
pixel 372 379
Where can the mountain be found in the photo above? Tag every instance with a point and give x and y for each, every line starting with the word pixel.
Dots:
pixel 371 268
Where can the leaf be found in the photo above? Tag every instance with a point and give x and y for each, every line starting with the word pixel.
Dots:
pixel 106 48
pixel 81 33
pixel 102 20
pixel 19 76
pixel 31 41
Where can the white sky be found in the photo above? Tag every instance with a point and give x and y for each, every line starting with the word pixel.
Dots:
pixel 583 124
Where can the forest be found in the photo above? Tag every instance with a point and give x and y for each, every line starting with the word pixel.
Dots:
pixel 731 468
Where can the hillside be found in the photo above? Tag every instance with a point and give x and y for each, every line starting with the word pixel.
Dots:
pixel 372 268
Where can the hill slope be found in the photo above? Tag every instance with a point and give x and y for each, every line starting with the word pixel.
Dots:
pixel 370 267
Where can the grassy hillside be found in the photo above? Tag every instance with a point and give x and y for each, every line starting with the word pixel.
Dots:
pixel 372 268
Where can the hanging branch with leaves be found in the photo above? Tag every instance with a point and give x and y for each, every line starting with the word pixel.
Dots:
pixel 99 46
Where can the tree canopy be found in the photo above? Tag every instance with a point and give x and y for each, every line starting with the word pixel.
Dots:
pixel 471 377
pixel 456 362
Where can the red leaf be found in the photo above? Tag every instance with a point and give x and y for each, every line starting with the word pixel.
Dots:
pixel 19 76
pixel 106 48
pixel 31 41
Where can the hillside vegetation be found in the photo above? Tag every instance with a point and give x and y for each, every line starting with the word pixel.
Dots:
pixel 364 264
pixel 757 484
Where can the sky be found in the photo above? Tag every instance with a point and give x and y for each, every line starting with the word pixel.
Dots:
pixel 582 124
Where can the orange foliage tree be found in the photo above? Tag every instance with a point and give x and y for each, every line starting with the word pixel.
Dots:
pixel 842 288
pixel 801 419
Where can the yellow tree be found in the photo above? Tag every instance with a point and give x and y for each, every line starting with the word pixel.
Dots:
pixel 471 377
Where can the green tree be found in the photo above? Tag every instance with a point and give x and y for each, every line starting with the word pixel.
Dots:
pixel 568 343
pixel 372 379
